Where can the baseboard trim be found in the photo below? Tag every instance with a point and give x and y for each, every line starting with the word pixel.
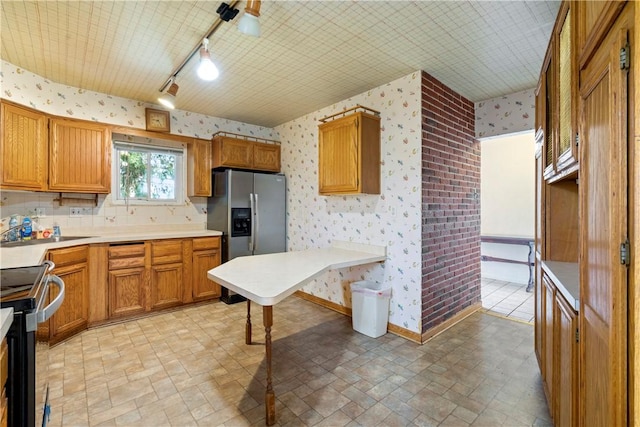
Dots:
pixel 438 329
pixel 394 329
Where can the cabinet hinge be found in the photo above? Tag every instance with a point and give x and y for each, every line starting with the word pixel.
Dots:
pixel 625 254
pixel 625 57
pixel 577 139
pixel 577 335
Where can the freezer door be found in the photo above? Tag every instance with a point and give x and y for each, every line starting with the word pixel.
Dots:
pixel 271 217
pixel 240 187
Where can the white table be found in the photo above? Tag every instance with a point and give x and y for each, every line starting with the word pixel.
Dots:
pixel 268 279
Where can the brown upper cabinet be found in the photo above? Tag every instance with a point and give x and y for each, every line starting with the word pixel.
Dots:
pixel 199 166
pixel 23 148
pixel 80 156
pixel 241 152
pixel 556 109
pixel 74 157
pixel 349 152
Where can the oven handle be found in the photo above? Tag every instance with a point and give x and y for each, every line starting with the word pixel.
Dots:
pixel 41 314
pixel 48 311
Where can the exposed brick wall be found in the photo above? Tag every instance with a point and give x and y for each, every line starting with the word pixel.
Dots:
pixel 450 204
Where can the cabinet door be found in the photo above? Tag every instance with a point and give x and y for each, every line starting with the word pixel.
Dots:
pixel 199 168
pixel 339 152
pixel 548 291
pixel 266 157
pixel 126 292
pixel 73 314
pixel 166 285
pixel 203 261
pixel 233 153
pixel 23 148
pixel 80 157
pixel 567 365
pixel 567 150
pixel 603 227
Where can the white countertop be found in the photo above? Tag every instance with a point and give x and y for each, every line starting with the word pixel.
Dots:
pixel 22 256
pixel 268 279
pixel 566 277
pixel 6 318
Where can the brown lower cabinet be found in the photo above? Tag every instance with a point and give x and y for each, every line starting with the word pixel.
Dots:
pixel 206 255
pixel 108 282
pixel 72 266
pixel 559 364
pixel 127 278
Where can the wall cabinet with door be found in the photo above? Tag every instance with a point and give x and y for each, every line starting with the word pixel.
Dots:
pixel 199 167
pixel 24 153
pixel 45 153
pixel 349 152
pixel 241 152
pixel 585 206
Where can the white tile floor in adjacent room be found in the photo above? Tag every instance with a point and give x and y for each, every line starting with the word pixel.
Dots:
pixel 507 299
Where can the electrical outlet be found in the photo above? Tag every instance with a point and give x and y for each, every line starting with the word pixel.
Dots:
pixel 40 212
pixel 75 212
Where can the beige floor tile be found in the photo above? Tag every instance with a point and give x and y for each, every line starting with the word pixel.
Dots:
pixel 191 367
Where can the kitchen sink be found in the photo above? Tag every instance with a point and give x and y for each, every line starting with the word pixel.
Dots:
pixel 40 241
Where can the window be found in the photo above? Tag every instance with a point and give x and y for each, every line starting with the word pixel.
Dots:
pixel 147 174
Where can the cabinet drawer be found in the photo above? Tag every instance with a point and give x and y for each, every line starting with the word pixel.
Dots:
pixel 122 251
pixel 167 251
pixel 202 243
pixel 4 363
pixel 116 264
pixel 74 255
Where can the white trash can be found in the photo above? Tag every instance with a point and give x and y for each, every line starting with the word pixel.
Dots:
pixel 370 308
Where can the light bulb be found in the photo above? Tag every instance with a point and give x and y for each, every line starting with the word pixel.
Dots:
pixel 207 70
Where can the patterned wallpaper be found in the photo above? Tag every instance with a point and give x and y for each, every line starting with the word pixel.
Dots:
pixel 506 114
pixel 31 90
pixel 392 218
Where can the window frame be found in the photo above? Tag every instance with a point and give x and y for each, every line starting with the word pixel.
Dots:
pixel 153 146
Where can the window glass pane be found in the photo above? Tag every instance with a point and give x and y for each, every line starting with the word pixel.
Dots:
pixel 133 175
pixel 163 176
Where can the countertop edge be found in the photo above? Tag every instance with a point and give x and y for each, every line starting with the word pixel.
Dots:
pixel 23 256
pixel 6 319
pixel 566 277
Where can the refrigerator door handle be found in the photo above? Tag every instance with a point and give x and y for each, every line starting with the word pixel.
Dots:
pixel 257 226
pixel 253 231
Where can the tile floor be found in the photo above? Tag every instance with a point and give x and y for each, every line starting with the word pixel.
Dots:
pixel 507 299
pixel 191 367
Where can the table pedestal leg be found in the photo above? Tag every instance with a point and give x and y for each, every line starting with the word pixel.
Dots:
pixel 269 397
pixel 247 329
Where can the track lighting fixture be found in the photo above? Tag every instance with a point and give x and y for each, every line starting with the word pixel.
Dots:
pixel 168 98
pixel 249 23
pixel 207 70
pixel 226 12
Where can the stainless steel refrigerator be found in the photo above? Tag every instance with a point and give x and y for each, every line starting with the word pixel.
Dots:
pixel 250 210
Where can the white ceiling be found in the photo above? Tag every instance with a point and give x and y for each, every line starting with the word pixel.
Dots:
pixel 311 53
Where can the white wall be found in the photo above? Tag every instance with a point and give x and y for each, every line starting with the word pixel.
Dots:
pixel 392 218
pixel 31 90
pixel 507 201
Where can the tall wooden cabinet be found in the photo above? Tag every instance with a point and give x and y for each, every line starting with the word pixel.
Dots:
pixel 23 148
pixel 587 190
